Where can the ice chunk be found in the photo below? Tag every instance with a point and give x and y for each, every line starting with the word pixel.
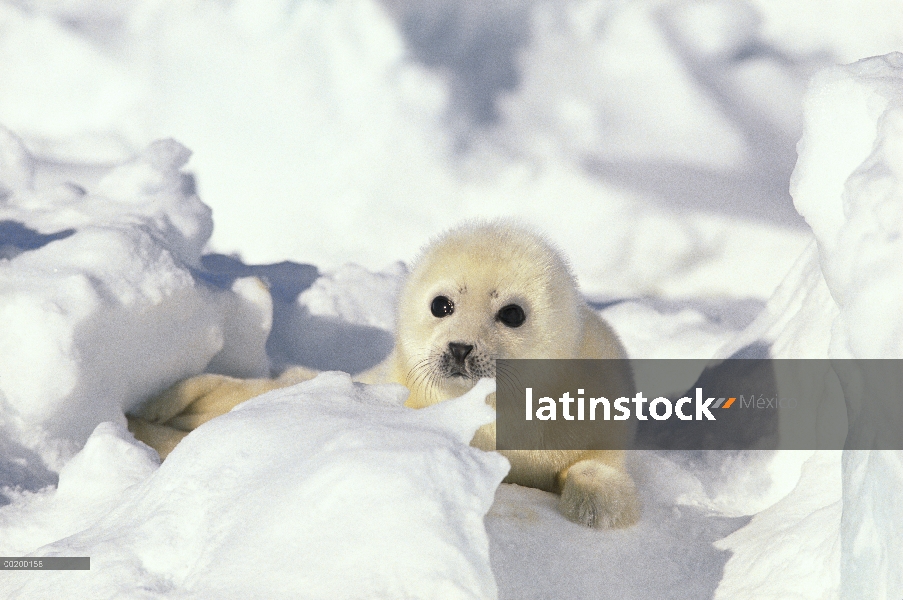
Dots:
pixel 845 300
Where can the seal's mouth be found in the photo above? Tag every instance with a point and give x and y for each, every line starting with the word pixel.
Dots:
pixel 452 370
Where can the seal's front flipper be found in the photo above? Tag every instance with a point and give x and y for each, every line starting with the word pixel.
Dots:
pixel 599 495
pixel 161 438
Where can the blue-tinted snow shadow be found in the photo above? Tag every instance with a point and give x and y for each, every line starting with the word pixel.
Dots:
pixel 758 191
pixel 735 314
pixel 16 238
pixel 297 337
pixel 748 195
pixel 21 469
pixel 285 280
pixel 537 553
pixel 323 343
pixel 477 46
pixel 748 368
pixel 474 44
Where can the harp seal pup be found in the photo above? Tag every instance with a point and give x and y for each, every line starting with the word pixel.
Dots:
pixel 479 292
pixel 486 291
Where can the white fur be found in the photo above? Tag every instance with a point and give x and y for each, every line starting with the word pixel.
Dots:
pixel 482 267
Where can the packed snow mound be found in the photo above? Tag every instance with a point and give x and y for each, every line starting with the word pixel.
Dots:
pixel 324 489
pixel 842 299
pixel 99 304
pixel 849 186
pixel 90 486
pixel 355 120
pixel 355 295
pixel 799 537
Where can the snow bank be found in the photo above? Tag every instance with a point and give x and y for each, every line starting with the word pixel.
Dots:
pixel 843 299
pixel 661 131
pixel 90 486
pixel 335 487
pixel 791 551
pixel 321 123
pixel 849 186
pixel 99 307
pixel 325 489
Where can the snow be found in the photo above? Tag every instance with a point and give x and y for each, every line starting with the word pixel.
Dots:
pixel 652 140
pixel 846 31
pixel 841 300
pixel 362 142
pixel 791 550
pixel 90 486
pixel 327 486
pixel 857 222
pixel 857 217
pixel 99 304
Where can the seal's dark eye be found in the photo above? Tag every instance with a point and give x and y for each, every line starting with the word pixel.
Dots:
pixel 512 315
pixel 441 307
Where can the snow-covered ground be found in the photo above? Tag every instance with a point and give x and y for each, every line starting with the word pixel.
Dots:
pixel 652 140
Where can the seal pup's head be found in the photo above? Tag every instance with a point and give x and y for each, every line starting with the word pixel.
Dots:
pixel 481 292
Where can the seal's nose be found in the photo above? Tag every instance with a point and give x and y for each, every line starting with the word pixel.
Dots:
pixel 459 351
